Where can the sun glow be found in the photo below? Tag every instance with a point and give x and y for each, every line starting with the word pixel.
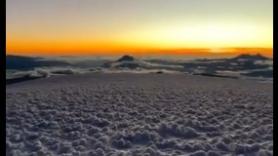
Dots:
pixel 203 35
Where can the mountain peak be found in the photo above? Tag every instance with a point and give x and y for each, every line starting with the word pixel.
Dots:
pixel 126 58
pixel 253 57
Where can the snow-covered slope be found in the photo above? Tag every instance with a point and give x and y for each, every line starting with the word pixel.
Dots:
pixel 139 114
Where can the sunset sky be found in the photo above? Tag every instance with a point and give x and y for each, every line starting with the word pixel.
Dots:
pixel 104 27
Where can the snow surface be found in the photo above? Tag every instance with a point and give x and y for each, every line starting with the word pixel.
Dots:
pixel 122 114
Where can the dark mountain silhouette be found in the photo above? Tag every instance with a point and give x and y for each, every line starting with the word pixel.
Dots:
pixel 245 64
pixel 28 63
pixel 254 65
pixel 249 57
pixel 125 61
pixel 126 58
pixel 129 62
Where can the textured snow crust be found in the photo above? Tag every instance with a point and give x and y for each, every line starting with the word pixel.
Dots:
pixel 139 114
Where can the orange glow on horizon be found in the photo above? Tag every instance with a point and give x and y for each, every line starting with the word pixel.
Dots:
pixel 102 49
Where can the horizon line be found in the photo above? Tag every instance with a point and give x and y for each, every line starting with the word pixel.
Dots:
pixel 229 51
